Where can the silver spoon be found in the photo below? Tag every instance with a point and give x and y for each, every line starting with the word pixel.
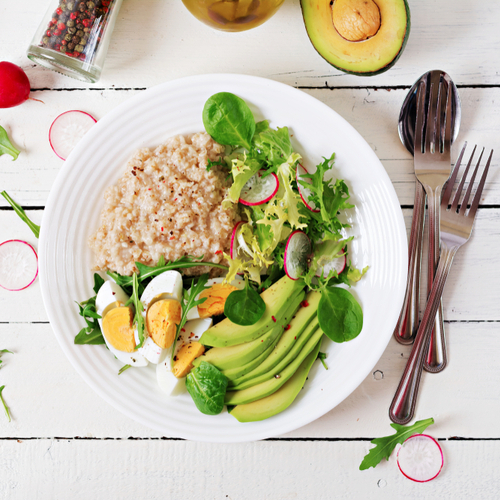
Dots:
pixel 408 321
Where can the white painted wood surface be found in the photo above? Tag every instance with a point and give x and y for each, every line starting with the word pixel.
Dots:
pixel 65 442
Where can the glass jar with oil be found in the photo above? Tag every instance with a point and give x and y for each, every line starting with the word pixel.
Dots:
pixel 233 15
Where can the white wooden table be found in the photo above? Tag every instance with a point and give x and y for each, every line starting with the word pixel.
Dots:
pixel 65 442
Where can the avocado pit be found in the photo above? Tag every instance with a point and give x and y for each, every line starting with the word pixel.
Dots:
pixel 356 20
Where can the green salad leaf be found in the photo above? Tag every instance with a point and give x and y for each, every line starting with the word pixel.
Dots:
pixel 139 308
pixel 207 386
pixel 384 446
pixel 244 307
pixel 229 120
pixel 22 214
pixel 339 314
pixel 6 408
pixel 6 146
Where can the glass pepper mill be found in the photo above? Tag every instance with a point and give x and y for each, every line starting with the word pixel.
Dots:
pixel 73 37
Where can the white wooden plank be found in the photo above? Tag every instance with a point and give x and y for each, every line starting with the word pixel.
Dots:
pixel 48 398
pixel 56 468
pixel 471 292
pixel 156 40
pixel 374 114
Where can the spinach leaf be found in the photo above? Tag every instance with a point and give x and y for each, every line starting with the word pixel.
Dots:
pixel 229 120
pixel 339 314
pixel 244 307
pixel 207 386
pixel 6 146
pixel 19 211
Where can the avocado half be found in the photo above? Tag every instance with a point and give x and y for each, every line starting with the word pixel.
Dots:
pixel 363 57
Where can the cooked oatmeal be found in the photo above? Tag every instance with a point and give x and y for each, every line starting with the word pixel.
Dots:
pixel 166 203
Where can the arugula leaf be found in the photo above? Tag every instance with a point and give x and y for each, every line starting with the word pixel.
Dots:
pixel 123 368
pixel 273 146
pixel 189 301
pixel 6 408
pixel 6 146
pixel 139 308
pixel 91 334
pixel 207 386
pixel 22 214
pixel 229 120
pixel 385 445
pixel 211 163
pixel 244 307
pixel 339 314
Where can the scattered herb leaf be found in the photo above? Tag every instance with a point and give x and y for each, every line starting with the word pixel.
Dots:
pixel 385 445
pixel 7 411
pixel 139 308
pixel 6 146
pixel 211 163
pixel 339 314
pixel 207 386
pixel 22 214
pixel 322 357
pixel 123 368
pixel 244 307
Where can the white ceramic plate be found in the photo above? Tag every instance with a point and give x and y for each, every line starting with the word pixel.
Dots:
pixel 72 214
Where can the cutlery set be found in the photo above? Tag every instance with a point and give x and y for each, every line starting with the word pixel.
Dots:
pixel 429 133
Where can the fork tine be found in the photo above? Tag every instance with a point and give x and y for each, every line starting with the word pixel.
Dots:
pixel 465 201
pixel 446 198
pixel 419 125
pixel 477 197
pixel 456 199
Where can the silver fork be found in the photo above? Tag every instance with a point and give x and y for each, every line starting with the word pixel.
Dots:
pixel 432 169
pixel 456 228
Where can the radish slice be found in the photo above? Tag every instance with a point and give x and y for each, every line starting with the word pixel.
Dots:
pixel 297 251
pixel 67 130
pixel 259 189
pixel 327 264
pixel 304 191
pixel 18 265
pixel 420 458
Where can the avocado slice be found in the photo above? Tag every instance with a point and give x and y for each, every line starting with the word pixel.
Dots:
pixel 270 386
pixel 282 398
pixel 276 297
pixel 239 371
pixel 361 37
pixel 302 326
pixel 225 358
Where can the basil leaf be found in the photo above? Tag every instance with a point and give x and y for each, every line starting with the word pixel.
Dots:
pixel 6 146
pixel 244 307
pixel 22 214
pixel 339 314
pixel 207 386
pixel 229 120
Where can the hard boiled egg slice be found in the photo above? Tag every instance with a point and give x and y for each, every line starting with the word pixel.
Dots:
pixel 162 313
pixel 191 332
pixel 216 298
pixel 116 324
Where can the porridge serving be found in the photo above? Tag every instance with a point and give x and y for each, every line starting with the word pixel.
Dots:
pixel 166 203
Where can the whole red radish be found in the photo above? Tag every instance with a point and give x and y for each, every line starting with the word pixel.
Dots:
pixel 14 85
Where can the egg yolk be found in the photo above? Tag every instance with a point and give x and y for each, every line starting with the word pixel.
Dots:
pixel 162 319
pixel 118 330
pixel 216 299
pixel 185 357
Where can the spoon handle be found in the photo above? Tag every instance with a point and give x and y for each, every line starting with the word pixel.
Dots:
pixel 407 325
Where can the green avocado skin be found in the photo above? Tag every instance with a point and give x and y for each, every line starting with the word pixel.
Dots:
pixel 282 398
pixel 387 66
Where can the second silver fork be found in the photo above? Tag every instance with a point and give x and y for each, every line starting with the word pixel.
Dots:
pixel 432 158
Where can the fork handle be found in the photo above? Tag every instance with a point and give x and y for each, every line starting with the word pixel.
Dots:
pixel 402 407
pixel 407 325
